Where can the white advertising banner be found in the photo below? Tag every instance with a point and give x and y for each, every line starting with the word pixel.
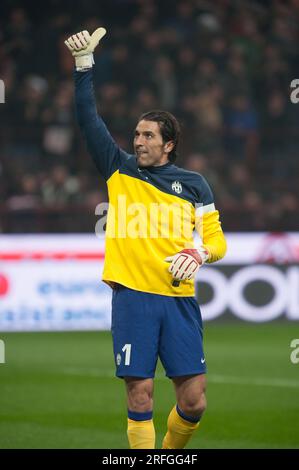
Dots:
pixel 52 282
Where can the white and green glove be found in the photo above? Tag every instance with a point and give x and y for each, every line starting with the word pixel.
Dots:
pixel 82 46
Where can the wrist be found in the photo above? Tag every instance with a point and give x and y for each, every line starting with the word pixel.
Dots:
pixel 204 253
pixel 84 62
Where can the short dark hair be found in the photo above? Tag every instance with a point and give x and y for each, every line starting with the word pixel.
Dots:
pixel 169 127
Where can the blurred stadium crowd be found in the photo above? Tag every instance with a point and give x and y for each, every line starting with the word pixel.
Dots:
pixel 222 67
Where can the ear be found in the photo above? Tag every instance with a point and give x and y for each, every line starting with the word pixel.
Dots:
pixel 168 147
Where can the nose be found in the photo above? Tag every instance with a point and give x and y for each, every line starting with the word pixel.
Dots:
pixel 139 140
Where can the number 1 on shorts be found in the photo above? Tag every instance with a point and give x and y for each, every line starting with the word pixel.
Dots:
pixel 127 349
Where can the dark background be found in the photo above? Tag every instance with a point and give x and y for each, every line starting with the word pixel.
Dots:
pixel 224 68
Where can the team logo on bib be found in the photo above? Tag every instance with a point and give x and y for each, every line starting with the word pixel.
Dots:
pixel 177 187
pixel 118 359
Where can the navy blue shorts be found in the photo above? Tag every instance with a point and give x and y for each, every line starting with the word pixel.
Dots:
pixel 147 326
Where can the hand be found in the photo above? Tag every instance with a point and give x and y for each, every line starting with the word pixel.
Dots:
pixel 186 263
pixel 82 46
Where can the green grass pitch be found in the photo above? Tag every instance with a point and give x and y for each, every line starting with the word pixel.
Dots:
pixel 58 390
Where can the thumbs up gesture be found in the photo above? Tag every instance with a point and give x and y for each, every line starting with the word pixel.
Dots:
pixel 82 46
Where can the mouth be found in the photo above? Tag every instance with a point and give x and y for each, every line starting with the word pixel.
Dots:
pixel 141 155
pixel 140 152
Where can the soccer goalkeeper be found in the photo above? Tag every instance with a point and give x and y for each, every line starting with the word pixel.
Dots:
pixel 151 264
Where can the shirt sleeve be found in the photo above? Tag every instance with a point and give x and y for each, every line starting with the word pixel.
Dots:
pixel 208 225
pixel 106 154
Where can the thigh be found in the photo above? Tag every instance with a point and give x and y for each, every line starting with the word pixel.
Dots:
pixel 135 332
pixel 181 342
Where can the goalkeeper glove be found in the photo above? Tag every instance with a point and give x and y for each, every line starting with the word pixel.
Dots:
pixel 82 46
pixel 186 263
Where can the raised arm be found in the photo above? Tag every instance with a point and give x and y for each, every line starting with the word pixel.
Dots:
pixel 106 154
